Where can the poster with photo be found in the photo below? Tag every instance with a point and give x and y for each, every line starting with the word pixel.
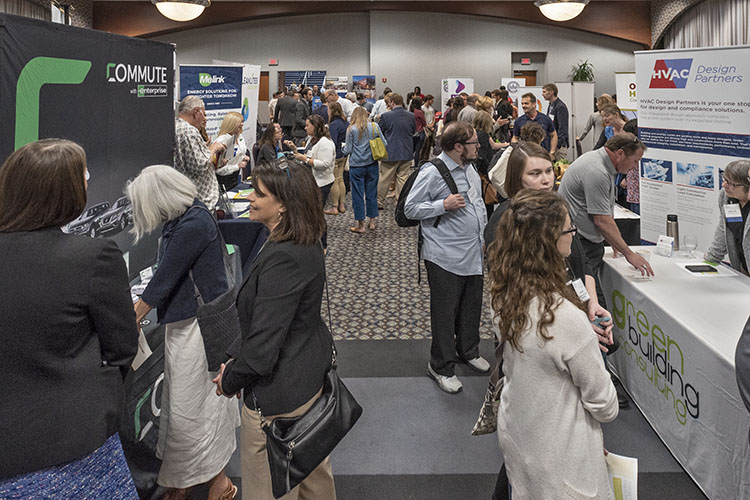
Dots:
pixel 365 84
pixel 338 83
pixel 694 117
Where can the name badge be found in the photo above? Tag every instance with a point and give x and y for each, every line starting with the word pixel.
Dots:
pixel 551 117
pixel 580 290
pixel 732 212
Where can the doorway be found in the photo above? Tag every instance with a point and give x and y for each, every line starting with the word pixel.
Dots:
pixel 529 75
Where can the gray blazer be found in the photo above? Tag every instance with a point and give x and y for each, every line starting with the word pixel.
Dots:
pixel 723 243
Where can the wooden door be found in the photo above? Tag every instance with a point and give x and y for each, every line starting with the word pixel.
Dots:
pixel 263 87
pixel 530 76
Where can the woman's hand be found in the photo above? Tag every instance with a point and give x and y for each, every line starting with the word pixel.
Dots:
pixel 300 157
pixel 141 310
pixel 243 161
pixel 604 331
pixel 217 381
pixel 290 144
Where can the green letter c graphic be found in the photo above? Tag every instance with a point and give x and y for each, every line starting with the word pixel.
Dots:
pixel 38 72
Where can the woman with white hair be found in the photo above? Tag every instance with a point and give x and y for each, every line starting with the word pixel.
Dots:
pixel 196 432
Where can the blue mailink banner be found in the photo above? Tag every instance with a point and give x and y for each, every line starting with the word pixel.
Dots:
pixel 220 87
pixel 737 145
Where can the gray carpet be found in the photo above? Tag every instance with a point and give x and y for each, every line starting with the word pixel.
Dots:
pixel 413 440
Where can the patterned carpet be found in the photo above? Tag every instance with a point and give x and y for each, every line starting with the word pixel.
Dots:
pixel 373 281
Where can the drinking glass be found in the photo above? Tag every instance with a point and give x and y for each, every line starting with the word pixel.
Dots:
pixel 691 243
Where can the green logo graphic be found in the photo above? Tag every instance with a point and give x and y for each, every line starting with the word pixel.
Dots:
pixel 141 91
pixel 38 72
pixel 205 79
pixel 109 67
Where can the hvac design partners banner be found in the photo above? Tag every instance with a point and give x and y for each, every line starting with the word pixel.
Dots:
pixel 451 87
pixel 111 94
pixel 679 385
pixel 694 116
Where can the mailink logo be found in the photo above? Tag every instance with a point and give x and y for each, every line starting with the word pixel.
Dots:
pixel 657 355
pixel 670 73
pixel 206 79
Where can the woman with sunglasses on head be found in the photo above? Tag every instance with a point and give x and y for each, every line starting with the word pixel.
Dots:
pixel 286 347
pixel 556 387
pixel 732 234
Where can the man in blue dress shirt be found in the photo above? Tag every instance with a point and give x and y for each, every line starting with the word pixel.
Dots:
pixel 452 252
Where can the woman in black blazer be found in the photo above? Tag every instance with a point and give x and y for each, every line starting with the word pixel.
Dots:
pixel 68 333
pixel 286 347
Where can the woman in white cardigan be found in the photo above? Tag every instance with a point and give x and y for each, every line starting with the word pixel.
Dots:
pixel 320 155
pixel 556 387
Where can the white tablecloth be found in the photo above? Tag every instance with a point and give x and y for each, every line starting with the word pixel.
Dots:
pixel 678 334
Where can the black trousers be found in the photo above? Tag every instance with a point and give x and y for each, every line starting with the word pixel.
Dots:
pixel 455 309
pixel 595 256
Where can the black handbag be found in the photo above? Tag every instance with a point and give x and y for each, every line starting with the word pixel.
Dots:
pixel 296 446
pixel 218 320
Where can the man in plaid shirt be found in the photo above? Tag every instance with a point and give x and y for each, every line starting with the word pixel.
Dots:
pixel 192 156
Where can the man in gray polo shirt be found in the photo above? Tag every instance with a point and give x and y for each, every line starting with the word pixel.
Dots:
pixel 589 188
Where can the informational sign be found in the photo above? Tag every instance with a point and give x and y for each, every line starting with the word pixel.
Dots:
pixel 625 85
pixel 338 83
pixel 250 91
pixel 365 84
pixel 512 85
pixel 220 87
pixel 451 87
pixel 112 94
pixel 694 116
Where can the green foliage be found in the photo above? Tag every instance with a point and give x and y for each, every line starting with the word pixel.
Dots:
pixel 582 72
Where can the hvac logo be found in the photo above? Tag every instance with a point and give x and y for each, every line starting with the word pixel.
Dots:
pixel 670 73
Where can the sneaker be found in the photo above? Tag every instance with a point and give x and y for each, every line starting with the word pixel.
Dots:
pixel 479 364
pixel 451 385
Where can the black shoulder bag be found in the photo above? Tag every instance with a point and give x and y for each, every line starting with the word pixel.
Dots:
pixel 218 320
pixel 296 446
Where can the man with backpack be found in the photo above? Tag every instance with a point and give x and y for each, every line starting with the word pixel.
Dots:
pixel 446 199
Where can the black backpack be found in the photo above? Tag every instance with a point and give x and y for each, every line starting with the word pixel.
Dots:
pixel 401 219
pixel 404 221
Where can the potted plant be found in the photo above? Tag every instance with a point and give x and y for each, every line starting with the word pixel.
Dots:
pixel 582 72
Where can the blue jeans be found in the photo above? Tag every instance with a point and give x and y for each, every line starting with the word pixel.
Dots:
pixel 364 181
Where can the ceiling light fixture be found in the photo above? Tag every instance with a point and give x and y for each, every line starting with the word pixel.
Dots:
pixel 183 10
pixel 561 10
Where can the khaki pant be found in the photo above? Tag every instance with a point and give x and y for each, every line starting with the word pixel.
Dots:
pixel 338 190
pixel 256 473
pixel 560 153
pixel 388 170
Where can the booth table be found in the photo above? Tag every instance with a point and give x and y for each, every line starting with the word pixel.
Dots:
pixel 678 333
pixel 629 224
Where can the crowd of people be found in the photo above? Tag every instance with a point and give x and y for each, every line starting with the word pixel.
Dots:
pixel 489 212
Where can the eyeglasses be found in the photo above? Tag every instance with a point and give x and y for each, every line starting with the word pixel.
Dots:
pixel 733 184
pixel 87 176
pixel 572 230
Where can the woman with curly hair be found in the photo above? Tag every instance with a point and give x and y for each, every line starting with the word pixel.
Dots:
pixel 556 387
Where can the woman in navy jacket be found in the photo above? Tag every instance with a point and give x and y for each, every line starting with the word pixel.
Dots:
pixel 68 334
pixel 197 430
pixel 286 347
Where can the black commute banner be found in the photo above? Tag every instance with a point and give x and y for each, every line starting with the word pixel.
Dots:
pixel 112 94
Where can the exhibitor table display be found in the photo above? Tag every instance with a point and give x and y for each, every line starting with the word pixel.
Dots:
pixel 678 332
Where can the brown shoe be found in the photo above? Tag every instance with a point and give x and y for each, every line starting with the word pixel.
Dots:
pixel 359 228
pixel 342 209
pixel 331 211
